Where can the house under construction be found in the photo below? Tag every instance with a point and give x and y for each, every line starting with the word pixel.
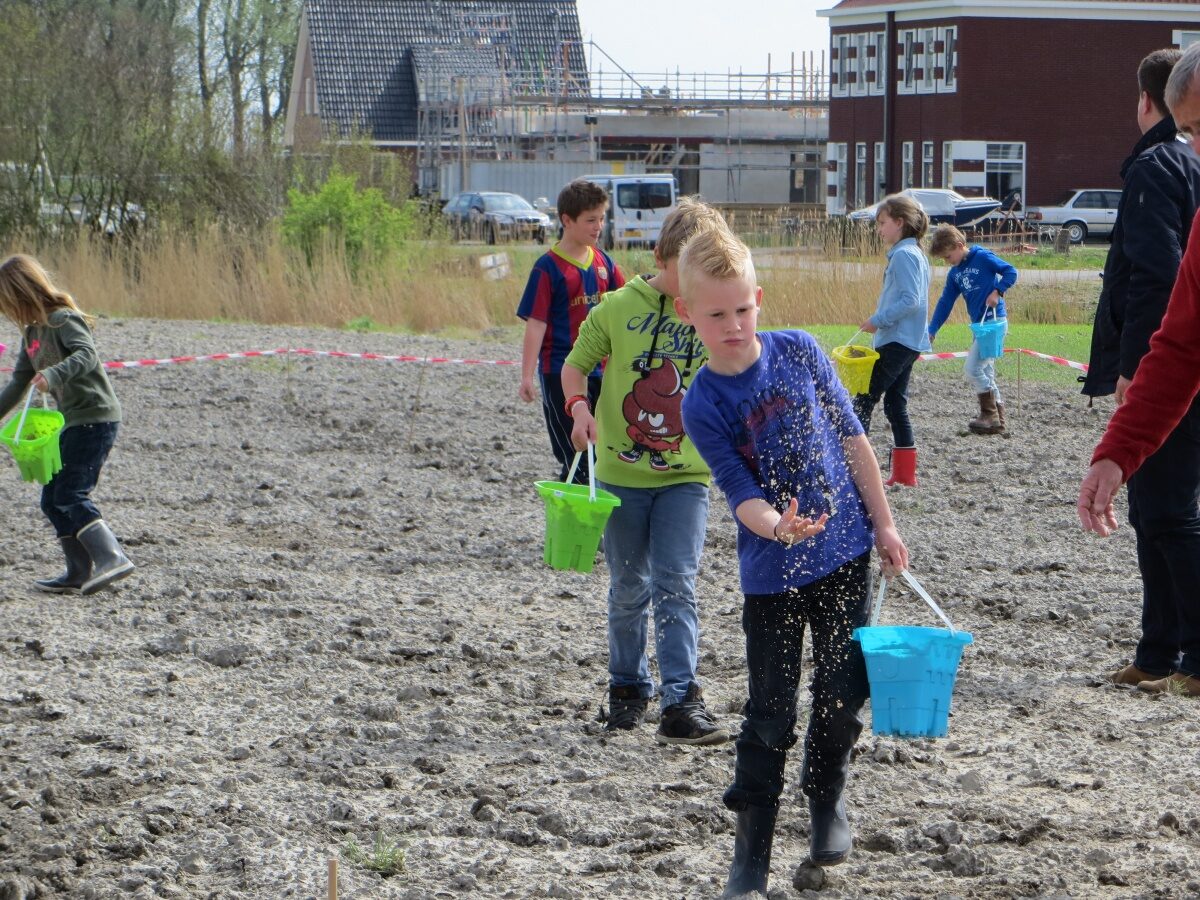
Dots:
pixel 490 95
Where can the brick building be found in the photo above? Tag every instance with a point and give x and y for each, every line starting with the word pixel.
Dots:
pixel 988 96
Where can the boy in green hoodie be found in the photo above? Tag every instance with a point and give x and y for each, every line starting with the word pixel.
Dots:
pixel 654 538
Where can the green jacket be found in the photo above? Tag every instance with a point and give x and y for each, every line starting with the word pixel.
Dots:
pixel 64 353
pixel 652 359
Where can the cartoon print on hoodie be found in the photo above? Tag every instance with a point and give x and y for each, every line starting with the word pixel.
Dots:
pixel 654 411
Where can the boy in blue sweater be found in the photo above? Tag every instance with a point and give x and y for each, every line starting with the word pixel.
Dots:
pixel 780 434
pixel 982 278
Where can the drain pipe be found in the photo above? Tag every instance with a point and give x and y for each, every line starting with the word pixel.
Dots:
pixel 889 104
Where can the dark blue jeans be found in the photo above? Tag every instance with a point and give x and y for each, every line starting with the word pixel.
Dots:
pixel 1164 510
pixel 66 500
pixel 559 424
pixel 832 607
pixel 889 380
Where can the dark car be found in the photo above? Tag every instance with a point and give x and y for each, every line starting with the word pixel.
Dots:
pixel 493 216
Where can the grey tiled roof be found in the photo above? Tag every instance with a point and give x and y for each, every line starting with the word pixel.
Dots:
pixel 367 54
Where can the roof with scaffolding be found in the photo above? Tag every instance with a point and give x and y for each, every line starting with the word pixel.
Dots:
pixel 379 62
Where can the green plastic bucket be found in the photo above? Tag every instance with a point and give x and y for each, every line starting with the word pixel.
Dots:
pixel 36 448
pixel 574 523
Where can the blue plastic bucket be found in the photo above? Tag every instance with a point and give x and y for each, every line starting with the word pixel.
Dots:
pixel 911 670
pixel 989 335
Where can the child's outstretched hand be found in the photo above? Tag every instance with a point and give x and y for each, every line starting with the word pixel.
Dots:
pixel 792 528
pixel 893 555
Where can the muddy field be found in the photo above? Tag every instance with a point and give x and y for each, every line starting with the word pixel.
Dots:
pixel 341 626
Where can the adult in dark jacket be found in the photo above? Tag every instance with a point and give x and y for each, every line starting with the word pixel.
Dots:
pixel 1158 205
pixel 1160 197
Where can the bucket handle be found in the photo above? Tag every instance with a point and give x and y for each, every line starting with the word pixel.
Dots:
pixel 591 471
pixel 921 592
pixel 24 413
pixel 986 310
pixel 850 342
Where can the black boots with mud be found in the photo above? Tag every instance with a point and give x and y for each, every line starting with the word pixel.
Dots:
pixel 751 852
pixel 626 708
pixel 830 841
pixel 109 564
pixel 79 567
pixel 690 722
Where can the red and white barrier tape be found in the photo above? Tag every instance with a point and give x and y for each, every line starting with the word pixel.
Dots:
pixel 1057 360
pixel 383 357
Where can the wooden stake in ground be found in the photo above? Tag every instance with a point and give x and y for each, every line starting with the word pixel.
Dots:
pixel 333 878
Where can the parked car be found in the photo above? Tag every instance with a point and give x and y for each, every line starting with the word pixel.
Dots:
pixel 637 205
pixel 1079 212
pixel 941 205
pixel 494 216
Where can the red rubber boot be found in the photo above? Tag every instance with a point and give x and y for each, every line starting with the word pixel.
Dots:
pixel 904 467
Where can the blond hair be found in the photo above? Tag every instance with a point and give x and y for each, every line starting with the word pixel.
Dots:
pixel 689 216
pixel 714 252
pixel 908 211
pixel 28 296
pixel 945 238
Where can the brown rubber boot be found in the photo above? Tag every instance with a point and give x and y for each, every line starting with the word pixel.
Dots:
pixel 989 417
pixel 1000 414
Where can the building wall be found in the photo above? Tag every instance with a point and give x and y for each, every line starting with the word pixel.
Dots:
pixel 1044 82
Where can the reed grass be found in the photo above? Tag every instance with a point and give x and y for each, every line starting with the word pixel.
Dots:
pixel 437 286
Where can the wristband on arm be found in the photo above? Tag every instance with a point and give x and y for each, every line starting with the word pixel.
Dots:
pixel 572 400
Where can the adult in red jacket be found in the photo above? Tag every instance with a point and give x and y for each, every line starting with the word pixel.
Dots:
pixel 1160 417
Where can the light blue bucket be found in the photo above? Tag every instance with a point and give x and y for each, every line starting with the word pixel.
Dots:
pixel 911 670
pixel 989 335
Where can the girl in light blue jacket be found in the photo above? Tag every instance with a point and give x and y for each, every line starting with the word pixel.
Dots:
pixel 899 326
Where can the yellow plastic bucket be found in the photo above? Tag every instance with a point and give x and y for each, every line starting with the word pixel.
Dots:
pixel 854 364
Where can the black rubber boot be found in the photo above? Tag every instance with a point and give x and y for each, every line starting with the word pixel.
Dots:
pixel 830 841
pixel 109 564
pixel 79 566
pixel 751 852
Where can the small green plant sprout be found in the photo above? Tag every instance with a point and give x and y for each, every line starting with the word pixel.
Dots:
pixel 1176 687
pixel 362 324
pixel 385 856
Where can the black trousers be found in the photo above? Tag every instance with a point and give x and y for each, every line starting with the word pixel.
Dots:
pixel 67 497
pixel 559 424
pixel 889 380
pixel 832 607
pixel 1164 510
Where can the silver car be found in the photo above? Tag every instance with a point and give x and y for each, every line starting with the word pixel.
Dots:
pixel 1079 212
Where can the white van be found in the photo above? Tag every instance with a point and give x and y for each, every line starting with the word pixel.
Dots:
pixel 637 205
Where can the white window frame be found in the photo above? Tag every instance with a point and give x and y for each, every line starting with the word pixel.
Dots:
pixel 836 156
pixel 929 61
pixel 880 173
pixel 1184 39
pixel 860 175
pixel 906 82
pixel 858 42
pixel 948 164
pixel 878 67
pixel 948 83
pixel 927 164
pixel 838 86
pixel 991 162
pixel 906 175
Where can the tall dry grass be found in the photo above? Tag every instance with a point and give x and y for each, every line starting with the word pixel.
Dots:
pixel 431 286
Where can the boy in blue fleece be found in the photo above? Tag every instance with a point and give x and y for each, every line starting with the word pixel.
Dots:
pixel 982 278
pixel 778 431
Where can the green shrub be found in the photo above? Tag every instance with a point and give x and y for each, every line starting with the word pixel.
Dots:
pixel 340 217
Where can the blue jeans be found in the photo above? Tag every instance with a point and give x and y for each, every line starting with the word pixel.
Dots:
pixel 832 607
pixel 66 499
pixel 981 372
pixel 652 545
pixel 1164 510
pixel 889 380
